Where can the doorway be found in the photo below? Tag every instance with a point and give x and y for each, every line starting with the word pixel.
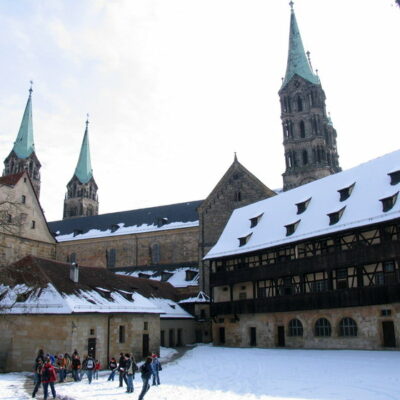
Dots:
pixel 253 336
pixel 389 336
pixel 281 336
pixel 145 347
pixel 92 347
pixel 221 335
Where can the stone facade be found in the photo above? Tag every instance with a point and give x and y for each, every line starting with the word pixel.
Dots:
pixel 24 335
pixel 173 247
pixel 272 330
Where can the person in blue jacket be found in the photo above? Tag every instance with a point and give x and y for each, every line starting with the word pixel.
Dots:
pixel 145 369
pixel 155 369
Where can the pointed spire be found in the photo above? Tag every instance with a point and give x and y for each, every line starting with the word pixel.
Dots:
pixel 235 159
pixel 24 145
pixel 297 62
pixel 83 170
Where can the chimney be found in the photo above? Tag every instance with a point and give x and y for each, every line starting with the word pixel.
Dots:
pixel 74 272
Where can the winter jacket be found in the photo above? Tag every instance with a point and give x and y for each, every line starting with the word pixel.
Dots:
pixel 76 363
pixel 112 365
pixel 155 365
pixel 90 364
pixel 145 369
pixel 130 367
pixel 48 373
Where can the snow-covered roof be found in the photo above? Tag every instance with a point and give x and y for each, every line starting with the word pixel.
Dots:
pixel 200 298
pixel 372 183
pixel 161 218
pixel 170 308
pixel 42 286
pixel 178 277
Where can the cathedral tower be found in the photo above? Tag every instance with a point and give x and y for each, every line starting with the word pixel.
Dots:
pixel 22 156
pixel 309 138
pixel 81 198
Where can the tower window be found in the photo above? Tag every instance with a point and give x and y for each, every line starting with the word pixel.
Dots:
pixel 237 196
pixel 302 129
pixel 299 104
pixel 389 202
pixel 33 226
pixel 394 177
pixel 346 192
pixel 335 216
pixel 291 228
pixel 305 157
pixel 244 239
pixel 301 207
pixel 23 199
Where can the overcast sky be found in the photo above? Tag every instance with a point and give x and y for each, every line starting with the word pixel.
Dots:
pixel 175 87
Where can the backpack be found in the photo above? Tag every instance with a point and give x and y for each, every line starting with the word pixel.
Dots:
pixel 46 373
pixel 89 364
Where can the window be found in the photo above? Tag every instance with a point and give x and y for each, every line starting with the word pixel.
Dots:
pixel 323 328
pixel 23 199
pixel 33 225
pixel 302 129
pixel 394 177
pixel 389 202
pixel 237 196
pixel 122 334
pixel 161 221
pixel 347 327
pixel 255 220
pixel 77 232
pixel 335 216
pixel 301 207
pixel 346 192
pixel 111 256
pixel 305 157
pixel 9 218
pixel 114 227
pixel 190 275
pixel 91 332
pixel 242 296
pixel 145 326
pixel 155 253
pixel 299 104
pixel 341 278
pixel 386 312
pixel 291 228
pixel 244 240
pixel 295 328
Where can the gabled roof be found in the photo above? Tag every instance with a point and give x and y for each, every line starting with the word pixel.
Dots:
pixel 11 180
pixel 200 298
pixel 297 63
pixel 355 198
pixel 83 170
pixel 24 145
pixel 171 216
pixel 47 288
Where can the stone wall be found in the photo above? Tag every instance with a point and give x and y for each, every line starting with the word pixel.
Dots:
pixel 368 319
pixel 175 246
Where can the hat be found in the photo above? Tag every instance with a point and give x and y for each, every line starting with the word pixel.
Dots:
pixel 154 355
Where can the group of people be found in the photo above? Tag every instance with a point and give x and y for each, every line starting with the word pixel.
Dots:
pixel 126 368
pixel 48 367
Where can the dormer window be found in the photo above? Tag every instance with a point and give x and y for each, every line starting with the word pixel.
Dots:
pixel 244 240
pixel 389 202
pixel 335 216
pixel 165 276
pixel 394 177
pixel 114 227
pixel 190 275
pixel 143 275
pixel 127 296
pixel 255 220
pixel 301 207
pixel 346 192
pixel 77 232
pixel 291 228
pixel 161 221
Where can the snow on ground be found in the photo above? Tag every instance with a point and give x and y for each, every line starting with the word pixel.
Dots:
pixel 220 373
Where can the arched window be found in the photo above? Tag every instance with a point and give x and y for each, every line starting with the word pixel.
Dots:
pixel 295 328
pixel 347 327
pixel 299 104
pixel 305 157
pixel 323 327
pixel 302 129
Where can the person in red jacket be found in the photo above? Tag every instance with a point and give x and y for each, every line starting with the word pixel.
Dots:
pixel 49 376
pixel 97 367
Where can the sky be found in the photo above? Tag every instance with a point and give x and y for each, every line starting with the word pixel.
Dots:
pixel 220 373
pixel 174 88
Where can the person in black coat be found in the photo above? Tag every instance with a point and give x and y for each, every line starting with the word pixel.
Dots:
pixel 121 369
pixel 145 369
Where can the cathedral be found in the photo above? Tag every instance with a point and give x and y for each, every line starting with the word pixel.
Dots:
pixel 279 280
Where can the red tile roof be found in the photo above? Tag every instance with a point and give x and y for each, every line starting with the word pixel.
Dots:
pixel 11 180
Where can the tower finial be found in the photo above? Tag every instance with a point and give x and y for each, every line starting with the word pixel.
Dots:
pixel 87 120
pixel 30 89
pixel 235 157
pixel 309 58
pixel 291 5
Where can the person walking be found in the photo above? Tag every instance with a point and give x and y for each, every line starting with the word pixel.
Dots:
pixel 49 376
pixel 60 365
pixel 145 369
pixel 68 365
pixel 83 367
pixel 38 375
pixel 121 369
pixel 90 367
pixel 76 366
pixel 97 367
pixel 155 369
pixel 130 368
pixel 112 365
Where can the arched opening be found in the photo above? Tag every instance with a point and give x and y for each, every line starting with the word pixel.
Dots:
pixel 302 129
pixel 305 157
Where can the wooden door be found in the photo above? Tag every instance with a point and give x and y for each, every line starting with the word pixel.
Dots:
pixel 389 337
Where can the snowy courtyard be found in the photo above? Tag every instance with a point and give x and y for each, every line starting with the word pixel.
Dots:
pixel 220 373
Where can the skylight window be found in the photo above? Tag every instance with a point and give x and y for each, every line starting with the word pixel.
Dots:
pixel 114 227
pixel 301 207
pixel 291 228
pixel 244 240
pixel 255 220
pixel 346 192
pixel 77 232
pixel 334 217
pixel 394 177
pixel 161 221
pixel 389 202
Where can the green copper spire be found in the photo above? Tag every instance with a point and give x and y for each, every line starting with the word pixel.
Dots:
pixel 297 60
pixel 83 170
pixel 23 145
